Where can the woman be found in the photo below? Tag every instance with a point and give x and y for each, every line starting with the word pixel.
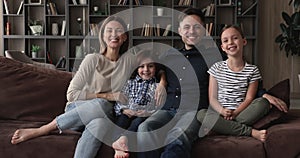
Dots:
pixel 92 91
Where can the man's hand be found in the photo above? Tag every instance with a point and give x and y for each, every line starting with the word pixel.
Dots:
pixel 278 103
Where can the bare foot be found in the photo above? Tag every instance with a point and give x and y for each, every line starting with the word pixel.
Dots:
pixel 22 135
pixel 260 135
pixel 121 147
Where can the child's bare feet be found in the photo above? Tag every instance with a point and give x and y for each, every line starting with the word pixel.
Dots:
pixel 121 147
pixel 22 135
pixel 260 135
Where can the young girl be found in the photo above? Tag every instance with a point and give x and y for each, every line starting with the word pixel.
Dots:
pixel 232 89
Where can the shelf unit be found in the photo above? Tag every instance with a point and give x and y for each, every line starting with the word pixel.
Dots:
pixel 57 46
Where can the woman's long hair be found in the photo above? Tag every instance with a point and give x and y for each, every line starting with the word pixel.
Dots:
pixel 103 45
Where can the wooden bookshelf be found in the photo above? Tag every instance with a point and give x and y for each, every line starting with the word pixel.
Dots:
pixel 82 19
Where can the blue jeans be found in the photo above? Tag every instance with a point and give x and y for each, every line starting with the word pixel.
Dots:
pixel 180 132
pixel 93 117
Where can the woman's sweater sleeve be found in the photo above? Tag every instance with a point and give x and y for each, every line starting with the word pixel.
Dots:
pixel 84 75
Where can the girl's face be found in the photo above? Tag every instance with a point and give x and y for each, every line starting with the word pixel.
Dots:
pixel 191 30
pixel 232 42
pixel 146 70
pixel 114 34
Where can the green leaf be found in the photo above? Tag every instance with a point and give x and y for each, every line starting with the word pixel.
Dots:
pixel 296 3
pixel 296 18
pixel 284 30
pixel 287 48
pixel 286 18
pixel 279 38
pixel 281 46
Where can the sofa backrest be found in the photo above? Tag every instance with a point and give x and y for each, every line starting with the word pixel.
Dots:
pixel 31 93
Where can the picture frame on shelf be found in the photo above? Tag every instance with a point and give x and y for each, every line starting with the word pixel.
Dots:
pixel 35 2
pixel 225 2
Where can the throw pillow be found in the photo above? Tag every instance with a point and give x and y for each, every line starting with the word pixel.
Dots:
pixel 280 90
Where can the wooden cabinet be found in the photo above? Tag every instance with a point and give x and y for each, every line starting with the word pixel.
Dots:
pixel 82 19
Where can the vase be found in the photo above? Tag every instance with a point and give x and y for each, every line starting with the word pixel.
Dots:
pixel 160 11
pixel 34 54
pixel 82 1
pixel 299 78
pixel 54 29
pixel 78 52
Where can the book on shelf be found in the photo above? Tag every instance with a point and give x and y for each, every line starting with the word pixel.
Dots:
pixel 61 63
pixel 75 2
pixel 167 30
pixel 53 8
pixel 209 29
pixel 123 2
pixel 6 6
pixel 158 29
pixel 94 29
pixel 49 60
pixel 48 9
pixel 185 2
pixel 209 10
pixel 249 8
pixel 139 2
pixel 63 28
pixel 20 7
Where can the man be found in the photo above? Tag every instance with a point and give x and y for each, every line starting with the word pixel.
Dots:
pixel 170 132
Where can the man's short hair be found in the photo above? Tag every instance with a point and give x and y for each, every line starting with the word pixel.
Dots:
pixel 191 11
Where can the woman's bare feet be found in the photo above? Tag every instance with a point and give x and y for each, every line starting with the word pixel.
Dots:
pixel 121 148
pixel 22 135
pixel 260 135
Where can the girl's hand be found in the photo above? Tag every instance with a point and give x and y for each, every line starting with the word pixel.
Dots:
pixel 129 112
pixel 234 114
pixel 278 103
pixel 160 95
pixel 226 113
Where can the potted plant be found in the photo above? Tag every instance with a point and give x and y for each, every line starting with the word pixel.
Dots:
pixel 36 27
pixel 289 39
pixel 34 50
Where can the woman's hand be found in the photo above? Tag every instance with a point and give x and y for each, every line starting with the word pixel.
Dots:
pixel 160 95
pixel 128 112
pixel 278 103
pixel 116 96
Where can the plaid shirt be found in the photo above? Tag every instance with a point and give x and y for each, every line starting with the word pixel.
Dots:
pixel 136 89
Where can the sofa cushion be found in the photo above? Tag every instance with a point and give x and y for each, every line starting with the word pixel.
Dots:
pixel 282 91
pixel 228 147
pixel 31 93
pixel 283 139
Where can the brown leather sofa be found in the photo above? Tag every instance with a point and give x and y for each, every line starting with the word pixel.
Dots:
pixel 31 96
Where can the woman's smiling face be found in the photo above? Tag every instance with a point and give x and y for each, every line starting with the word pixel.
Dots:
pixel 114 34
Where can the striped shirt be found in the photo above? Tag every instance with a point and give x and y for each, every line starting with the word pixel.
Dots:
pixel 139 91
pixel 232 86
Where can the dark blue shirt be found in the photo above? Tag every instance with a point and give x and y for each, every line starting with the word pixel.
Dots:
pixel 187 78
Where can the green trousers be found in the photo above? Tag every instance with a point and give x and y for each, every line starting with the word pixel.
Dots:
pixel 241 125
